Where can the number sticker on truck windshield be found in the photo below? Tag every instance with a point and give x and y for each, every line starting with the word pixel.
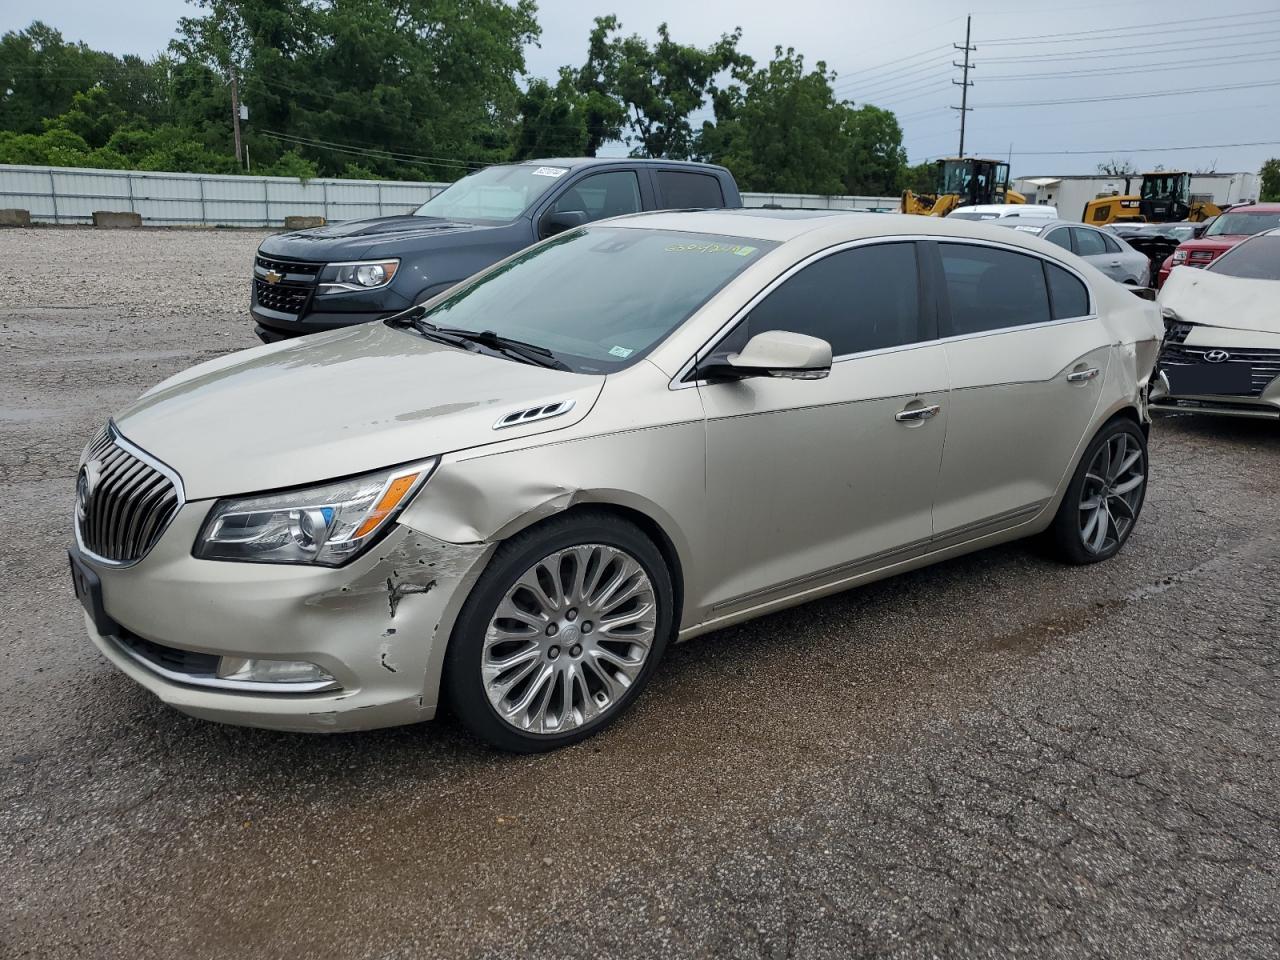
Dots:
pixel 550 172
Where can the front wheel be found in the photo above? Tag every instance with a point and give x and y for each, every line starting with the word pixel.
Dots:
pixel 1102 502
pixel 560 634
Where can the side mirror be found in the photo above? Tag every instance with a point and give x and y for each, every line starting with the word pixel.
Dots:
pixel 774 353
pixel 1198 230
pixel 560 221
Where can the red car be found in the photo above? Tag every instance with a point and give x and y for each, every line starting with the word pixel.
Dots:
pixel 1228 229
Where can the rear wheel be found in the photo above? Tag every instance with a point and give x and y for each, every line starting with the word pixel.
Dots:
pixel 1105 496
pixel 560 634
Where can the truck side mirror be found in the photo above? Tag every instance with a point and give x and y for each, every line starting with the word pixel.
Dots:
pixel 558 221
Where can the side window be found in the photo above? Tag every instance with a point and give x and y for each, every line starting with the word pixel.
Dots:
pixel 1061 237
pixel 990 289
pixel 1089 243
pixel 682 190
pixel 1110 243
pixel 862 299
pixel 602 195
pixel 1069 297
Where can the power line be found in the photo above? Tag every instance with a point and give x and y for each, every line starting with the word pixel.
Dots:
pixel 1118 151
pixel 1170 46
pixel 1169 26
pixel 1134 96
pixel 414 159
pixel 1105 71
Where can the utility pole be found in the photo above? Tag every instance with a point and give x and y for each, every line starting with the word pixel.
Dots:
pixel 966 83
pixel 235 111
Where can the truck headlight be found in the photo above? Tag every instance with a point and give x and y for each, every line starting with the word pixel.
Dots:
pixel 357 275
pixel 325 525
pixel 1179 256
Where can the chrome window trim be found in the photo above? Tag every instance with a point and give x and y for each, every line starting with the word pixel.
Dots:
pixel 119 440
pixel 220 683
pixel 678 383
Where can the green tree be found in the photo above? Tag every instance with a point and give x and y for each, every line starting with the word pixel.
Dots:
pixel 658 86
pixel 875 162
pixel 779 128
pixel 1270 176
pixel 553 120
pixel 920 177
pixel 603 114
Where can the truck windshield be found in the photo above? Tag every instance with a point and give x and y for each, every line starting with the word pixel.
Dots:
pixel 499 193
pixel 599 298
pixel 1242 224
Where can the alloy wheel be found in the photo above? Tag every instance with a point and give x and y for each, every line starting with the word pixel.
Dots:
pixel 1111 493
pixel 568 639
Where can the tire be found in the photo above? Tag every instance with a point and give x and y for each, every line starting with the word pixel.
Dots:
pixel 1106 491
pixel 526 632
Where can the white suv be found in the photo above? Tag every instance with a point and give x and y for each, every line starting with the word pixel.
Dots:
pixel 998 211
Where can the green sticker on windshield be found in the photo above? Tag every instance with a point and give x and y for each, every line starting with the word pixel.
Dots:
pixel 734 248
pixel 621 352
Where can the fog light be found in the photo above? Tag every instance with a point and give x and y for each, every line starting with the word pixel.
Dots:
pixel 271 671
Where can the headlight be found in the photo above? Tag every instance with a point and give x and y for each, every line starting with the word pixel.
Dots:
pixel 326 525
pixel 358 275
pixel 1179 256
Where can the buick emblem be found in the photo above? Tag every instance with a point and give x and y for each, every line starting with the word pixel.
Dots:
pixel 86 483
pixel 1217 356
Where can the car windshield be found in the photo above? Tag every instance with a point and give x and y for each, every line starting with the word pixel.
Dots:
pixel 1255 259
pixel 498 193
pixel 1242 224
pixel 599 297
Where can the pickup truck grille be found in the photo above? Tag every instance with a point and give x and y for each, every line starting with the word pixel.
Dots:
pixel 1264 364
pixel 284 286
pixel 123 502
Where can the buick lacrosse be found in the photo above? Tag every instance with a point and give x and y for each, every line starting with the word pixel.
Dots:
pixel 511 498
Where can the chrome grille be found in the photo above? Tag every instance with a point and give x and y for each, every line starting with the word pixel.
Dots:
pixel 290 285
pixel 124 500
pixel 1264 364
pixel 1175 331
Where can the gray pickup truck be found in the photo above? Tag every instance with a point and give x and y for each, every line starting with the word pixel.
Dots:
pixel 361 270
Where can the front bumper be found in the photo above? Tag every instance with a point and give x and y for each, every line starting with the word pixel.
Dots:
pixel 378 626
pixel 273 325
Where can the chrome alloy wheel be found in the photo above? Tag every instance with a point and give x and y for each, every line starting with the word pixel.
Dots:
pixel 570 636
pixel 1111 493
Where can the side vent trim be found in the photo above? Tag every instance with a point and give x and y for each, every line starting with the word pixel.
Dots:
pixel 529 414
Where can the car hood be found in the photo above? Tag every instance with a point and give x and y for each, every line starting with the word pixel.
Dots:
pixel 1217 300
pixel 327 406
pixel 1217 244
pixel 353 238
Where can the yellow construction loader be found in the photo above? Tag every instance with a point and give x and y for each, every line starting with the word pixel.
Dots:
pixel 1162 197
pixel 961 182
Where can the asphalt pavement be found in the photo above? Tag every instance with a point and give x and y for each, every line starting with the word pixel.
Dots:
pixel 995 757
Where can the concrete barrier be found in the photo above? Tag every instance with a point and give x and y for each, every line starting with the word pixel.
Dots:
pixel 114 218
pixel 15 218
pixel 303 223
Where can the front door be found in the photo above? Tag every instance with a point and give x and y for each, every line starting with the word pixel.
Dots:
pixel 811 480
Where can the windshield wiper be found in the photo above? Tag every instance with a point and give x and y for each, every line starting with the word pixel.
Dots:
pixel 456 336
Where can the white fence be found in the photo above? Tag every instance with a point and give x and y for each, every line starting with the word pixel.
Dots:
pixel 72 194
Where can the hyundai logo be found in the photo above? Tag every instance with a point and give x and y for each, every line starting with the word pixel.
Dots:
pixel 1217 356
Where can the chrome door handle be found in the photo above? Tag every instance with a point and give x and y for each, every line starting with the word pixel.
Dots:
pixel 1115 263
pixel 1080 376
pixel 917 413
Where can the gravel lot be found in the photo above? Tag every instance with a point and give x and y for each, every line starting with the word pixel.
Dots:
pixel 995 757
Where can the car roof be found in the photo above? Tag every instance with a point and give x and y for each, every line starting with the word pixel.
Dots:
pixel 1255 208
pixel 1002 207
pixel 837 226
pixel 575 163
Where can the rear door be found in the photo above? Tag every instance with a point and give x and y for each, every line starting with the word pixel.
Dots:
pixel 812 480
pixel 1027 358
pixel 1092 246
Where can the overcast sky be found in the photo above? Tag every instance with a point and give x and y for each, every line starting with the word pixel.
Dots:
pixel 898 56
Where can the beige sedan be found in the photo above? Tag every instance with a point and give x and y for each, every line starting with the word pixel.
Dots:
pixel 515 496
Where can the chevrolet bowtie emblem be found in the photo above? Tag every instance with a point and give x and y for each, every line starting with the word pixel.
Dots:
pixel 272 277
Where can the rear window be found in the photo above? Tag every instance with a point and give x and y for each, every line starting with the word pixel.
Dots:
pixel 1068 296
pixel 1256 259
pixel 681 190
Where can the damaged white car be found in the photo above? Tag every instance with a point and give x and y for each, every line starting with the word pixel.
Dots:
pixel 1221 351
pixel 515 495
